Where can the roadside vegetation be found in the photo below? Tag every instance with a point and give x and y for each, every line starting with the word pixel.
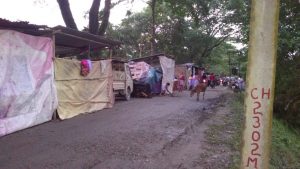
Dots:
pixel 285 150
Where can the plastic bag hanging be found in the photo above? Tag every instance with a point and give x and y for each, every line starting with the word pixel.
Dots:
pixel 85 68
pixel 86 65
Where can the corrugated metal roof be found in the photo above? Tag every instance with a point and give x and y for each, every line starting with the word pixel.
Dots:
pixel 148 58
pixel 4 23
pixel 67 40
pixel 152 60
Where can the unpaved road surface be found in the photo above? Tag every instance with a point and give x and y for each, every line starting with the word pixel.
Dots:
pixel 157 133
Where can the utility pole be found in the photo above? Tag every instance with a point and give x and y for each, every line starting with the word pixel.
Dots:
pixel 259 96
pixel 239 63
pixel 153 5
pixel 229 62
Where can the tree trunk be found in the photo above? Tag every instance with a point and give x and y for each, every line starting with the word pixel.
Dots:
pixel 94 17
pixel 67 14
pixel 105 20
pixel 153 27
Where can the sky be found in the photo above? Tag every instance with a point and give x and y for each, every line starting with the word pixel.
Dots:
pixel 46 12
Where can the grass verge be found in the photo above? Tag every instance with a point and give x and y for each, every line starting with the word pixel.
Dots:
pixel 285 149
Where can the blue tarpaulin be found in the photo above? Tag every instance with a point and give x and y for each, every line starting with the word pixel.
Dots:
pixel 153 78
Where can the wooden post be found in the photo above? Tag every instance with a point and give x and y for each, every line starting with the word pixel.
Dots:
pixel 54 116
pixel 260 84
pixel 110 53
pixel 89 53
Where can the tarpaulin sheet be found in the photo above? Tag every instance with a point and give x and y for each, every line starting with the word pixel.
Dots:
pixel 139 69
pixel 27 91
pixel 82 94
pixel 144 73
pixel 168 67
pixel 153 78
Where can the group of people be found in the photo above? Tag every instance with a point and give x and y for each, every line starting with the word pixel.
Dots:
pixel 201 77
pixel 179 85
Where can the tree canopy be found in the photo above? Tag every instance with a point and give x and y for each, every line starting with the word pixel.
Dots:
pixel 189 36
pixel 287 96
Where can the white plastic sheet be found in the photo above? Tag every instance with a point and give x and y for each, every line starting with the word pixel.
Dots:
pixel 27 91
pixel 168 67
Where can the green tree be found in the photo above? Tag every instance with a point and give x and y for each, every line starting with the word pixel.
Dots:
pixel 178 32
pixel 287 98
pixel 134 33
pixel 287 93
pixel 213 19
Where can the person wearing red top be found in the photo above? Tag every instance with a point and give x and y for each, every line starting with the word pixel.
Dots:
pixel 212 79
pixel 181 81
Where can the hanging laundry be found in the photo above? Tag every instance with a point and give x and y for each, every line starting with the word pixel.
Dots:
pixel 90 64
pixel 85 67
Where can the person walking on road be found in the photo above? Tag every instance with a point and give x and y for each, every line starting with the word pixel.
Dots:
pixel 181 82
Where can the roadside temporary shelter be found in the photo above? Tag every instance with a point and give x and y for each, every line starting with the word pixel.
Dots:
pixel 81 94
pixel 28 94
pixel 158 61
pixel 27 90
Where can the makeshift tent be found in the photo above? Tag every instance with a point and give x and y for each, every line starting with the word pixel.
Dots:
pixel 83 94
pixel 144 73
pixel 16 80
pixel 27 91
pixel 159 61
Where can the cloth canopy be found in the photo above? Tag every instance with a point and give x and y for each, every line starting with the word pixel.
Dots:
pixel 83 94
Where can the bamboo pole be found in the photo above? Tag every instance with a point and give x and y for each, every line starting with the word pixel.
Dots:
pixel 54 116
pixel 110 53
pixel 260 84
pixel 84 39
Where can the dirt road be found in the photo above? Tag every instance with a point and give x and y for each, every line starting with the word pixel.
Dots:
pixel 157 133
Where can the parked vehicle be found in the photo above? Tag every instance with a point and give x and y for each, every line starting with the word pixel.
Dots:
pixel 235 86
pixel 221 81
pixel 238 85
pixel 225 81
pixel 122 80
pixel 212 83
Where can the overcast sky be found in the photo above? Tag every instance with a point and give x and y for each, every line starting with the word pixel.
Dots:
pixel 47 12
